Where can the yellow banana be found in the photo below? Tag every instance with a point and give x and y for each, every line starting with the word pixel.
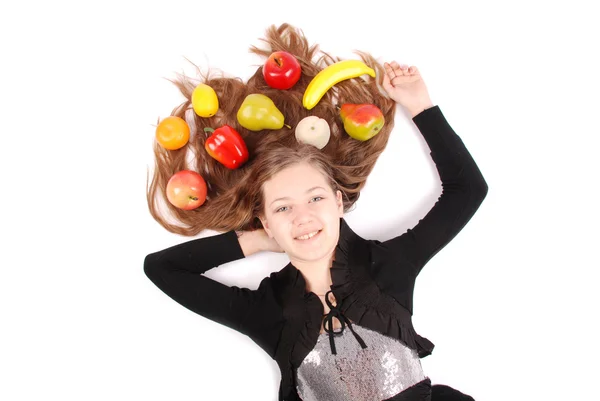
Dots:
pixel 331 75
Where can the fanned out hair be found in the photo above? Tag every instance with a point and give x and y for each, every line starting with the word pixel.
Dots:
pixel 234 198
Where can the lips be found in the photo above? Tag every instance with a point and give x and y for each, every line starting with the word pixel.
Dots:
pixel 308 235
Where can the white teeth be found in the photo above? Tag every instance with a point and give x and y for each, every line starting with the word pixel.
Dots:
pixel 307 236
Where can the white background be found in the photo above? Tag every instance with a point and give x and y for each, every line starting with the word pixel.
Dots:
pixel 510 303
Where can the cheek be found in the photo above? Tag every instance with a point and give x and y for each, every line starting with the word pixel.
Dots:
pixel 277 223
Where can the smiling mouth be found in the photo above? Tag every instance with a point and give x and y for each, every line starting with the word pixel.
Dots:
pixel 308 236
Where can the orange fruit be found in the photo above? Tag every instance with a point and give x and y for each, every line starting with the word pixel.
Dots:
pixel 173 133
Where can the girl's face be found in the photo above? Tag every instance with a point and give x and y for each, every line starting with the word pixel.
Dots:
pixel 299 201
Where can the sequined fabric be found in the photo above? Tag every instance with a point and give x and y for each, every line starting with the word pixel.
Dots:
pixel 383 369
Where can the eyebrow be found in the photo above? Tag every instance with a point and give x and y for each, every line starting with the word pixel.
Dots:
pixel 287 197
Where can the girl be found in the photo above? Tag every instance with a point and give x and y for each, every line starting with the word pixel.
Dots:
pixel 337 318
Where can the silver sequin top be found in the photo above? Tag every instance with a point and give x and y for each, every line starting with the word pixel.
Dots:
pixel 380 371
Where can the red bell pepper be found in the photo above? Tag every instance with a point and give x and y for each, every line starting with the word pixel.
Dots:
pixel 226 146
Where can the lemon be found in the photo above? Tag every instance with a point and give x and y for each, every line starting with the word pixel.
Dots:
pixel 205 101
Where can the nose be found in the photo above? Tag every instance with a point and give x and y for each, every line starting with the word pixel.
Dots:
pixel 302 215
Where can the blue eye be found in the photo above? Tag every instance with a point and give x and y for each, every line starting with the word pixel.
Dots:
pixel 283 207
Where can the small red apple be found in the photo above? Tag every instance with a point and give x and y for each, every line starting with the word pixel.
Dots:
pixel 281 70
pixel 186 190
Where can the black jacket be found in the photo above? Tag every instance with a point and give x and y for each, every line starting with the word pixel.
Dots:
pixel 373 281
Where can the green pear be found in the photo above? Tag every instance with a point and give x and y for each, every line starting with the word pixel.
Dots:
pixel 258 112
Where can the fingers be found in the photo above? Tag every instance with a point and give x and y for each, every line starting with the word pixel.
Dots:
pixel 412 70
pixel 398 67
pixel 403 69
pixel 404 79
pixel 387 77
pixel 390 72
pixel 388 69
pixel 394 69
pixel 399 73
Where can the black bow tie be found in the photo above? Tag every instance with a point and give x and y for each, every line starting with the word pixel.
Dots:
pixel 335 312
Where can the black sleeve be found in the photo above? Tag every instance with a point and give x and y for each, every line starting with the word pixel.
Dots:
pixel 178 272
pixel 464 189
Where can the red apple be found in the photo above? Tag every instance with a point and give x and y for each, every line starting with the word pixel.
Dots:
pixel 281 70
pixel 186 190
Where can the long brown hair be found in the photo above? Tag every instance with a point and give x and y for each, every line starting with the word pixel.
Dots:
pixel 234 199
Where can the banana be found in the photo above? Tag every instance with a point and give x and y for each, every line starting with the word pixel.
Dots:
pixel 331 75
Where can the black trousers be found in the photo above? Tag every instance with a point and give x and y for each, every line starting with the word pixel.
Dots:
pixel 441 392
pixel 424 391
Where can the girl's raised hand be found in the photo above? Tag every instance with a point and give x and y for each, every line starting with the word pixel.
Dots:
pixel 405 86
pixel 257 241
pixel 267 243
